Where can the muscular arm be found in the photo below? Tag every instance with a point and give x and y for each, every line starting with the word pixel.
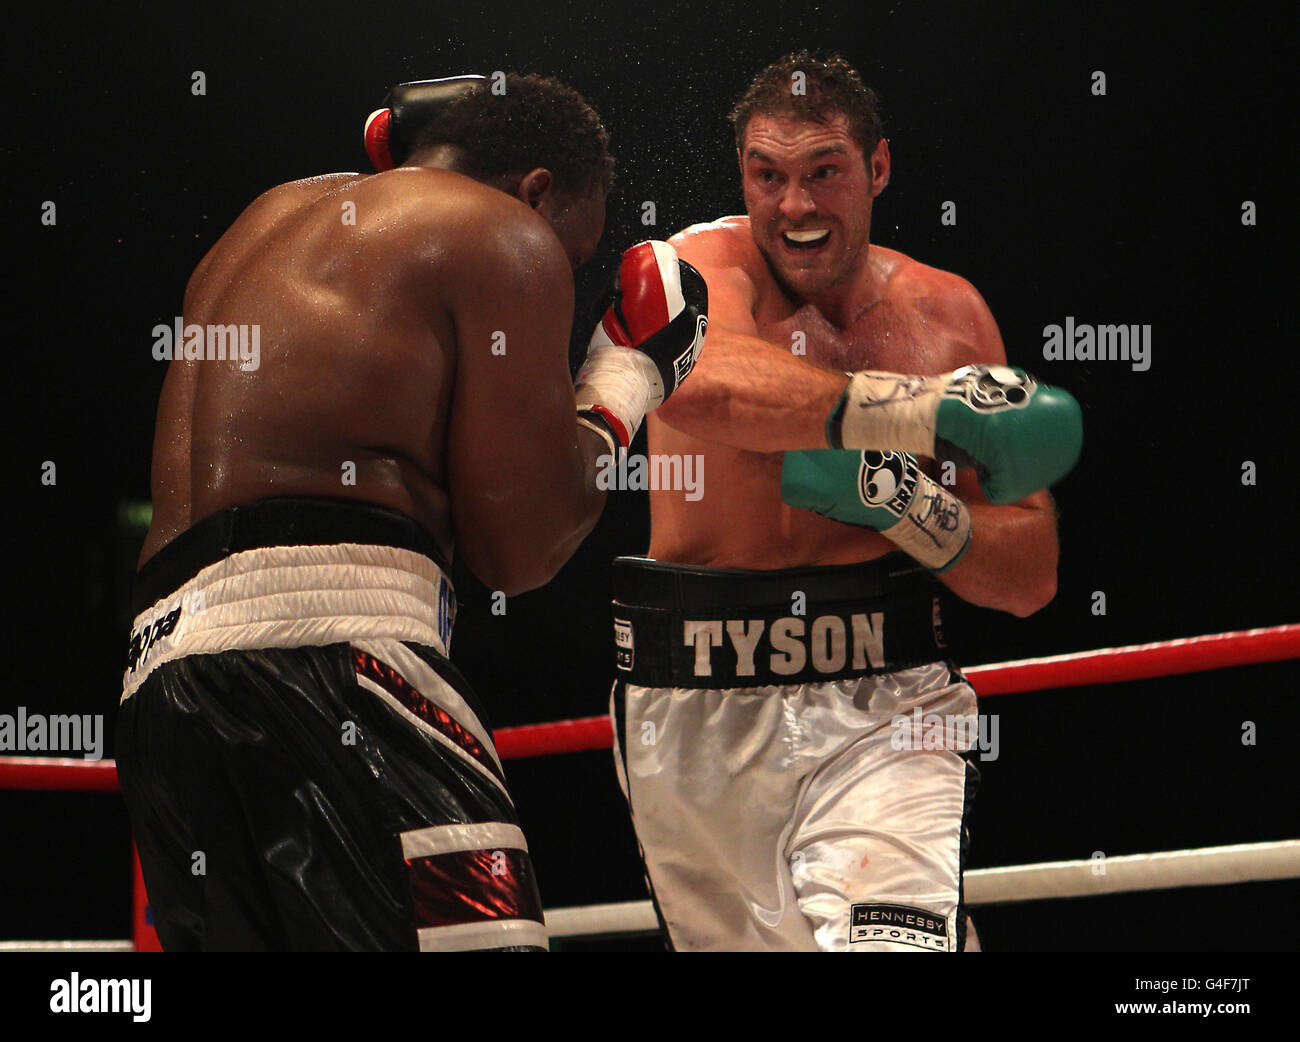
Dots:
pixel 752 394
pixel 745 391
pixel 520 469
pixel 1011 562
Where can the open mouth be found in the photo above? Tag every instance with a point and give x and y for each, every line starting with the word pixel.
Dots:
pixel 808 241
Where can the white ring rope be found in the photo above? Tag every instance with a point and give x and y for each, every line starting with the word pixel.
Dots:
pixel 67 946
pixel 1208 866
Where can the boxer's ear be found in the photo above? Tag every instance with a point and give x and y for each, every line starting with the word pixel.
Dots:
pixel 880 167
pixel 537 189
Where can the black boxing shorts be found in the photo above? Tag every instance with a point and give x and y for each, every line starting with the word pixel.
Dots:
pixel 303 767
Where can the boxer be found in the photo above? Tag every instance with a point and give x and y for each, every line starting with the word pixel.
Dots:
pixel 304 767
pixel 783 632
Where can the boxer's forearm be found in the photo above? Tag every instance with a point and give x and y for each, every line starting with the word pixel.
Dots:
pixel 578 508
pixel 751 394
pixel 529 533
pixel 590 501
pixel 1010 564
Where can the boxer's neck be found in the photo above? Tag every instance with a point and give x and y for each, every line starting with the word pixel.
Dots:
pixel 440 157
pixel 862 287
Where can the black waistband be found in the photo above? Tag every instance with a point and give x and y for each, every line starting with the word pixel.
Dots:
pixel 683 626
pixel 285 521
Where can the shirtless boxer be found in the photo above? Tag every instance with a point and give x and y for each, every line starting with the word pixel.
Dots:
pixel 766 651
pixel 304 767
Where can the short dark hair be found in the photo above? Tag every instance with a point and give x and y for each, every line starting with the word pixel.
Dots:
pixel 831 86
pixel 537 121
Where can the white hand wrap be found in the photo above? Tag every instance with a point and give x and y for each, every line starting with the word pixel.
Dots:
pixel 618 380
pixel 935 530
pixel 887 411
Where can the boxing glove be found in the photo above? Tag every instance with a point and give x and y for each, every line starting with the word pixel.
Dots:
pixel 391 131
pixel 885 491
pixel 1023 435
pixel 645 344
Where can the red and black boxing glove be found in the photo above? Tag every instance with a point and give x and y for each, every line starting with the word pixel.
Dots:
pixel 646 343
pixel 391 131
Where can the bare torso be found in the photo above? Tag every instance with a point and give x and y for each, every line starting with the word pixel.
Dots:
pixel 357 361
pixel 741 521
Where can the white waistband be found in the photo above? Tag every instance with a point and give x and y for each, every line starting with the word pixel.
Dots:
pixel 296 596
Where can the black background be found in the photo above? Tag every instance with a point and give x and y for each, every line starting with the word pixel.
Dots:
pixel 1117 209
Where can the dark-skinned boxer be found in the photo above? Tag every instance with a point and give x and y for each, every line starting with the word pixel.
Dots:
pixel 304 767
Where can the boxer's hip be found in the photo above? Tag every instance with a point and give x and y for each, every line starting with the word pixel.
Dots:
pixel 681 626
pixel 771 735
pixel 288 678
pixel 348 795
pixel 289 573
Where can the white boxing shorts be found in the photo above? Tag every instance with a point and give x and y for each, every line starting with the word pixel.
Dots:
pixel 796 755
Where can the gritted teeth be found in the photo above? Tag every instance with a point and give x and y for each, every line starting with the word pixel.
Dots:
pixel 807 238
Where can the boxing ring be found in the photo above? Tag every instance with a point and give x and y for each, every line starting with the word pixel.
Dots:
pixel 1206 866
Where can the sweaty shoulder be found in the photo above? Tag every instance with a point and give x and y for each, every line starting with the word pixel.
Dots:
pixel 441 241
pixel 946 298
pixel 434 210
pixel 724 243
pixel 909 279
pixel 738 278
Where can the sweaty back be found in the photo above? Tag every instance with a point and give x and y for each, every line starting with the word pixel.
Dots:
pixel 333 280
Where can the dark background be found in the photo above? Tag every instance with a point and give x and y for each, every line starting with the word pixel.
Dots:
pixel 1117 209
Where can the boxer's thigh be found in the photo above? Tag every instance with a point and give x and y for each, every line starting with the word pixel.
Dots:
pixel 302 790
pixel 710 784
pixel 445 853
pixel 182 811
pixel 878 844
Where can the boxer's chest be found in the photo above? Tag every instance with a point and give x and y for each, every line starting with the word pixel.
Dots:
pixel 892 335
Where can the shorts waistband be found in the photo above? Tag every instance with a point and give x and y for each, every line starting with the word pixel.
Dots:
pixel 279 595
pixel 690 627
pixel 282 521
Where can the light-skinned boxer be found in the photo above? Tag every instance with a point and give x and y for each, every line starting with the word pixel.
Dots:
pixel 782 664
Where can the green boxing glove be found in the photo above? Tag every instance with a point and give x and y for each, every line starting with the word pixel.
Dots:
pixel 1024 435
pixel 886 491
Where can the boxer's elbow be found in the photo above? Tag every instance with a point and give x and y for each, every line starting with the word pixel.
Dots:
pixel 1034 596
pixel 509 570
pixel 523 560
pixel 505 561
pixel 1035 586
pixel 695 404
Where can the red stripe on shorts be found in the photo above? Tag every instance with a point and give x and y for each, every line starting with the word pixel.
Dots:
pixel 439 719
pixel 474 886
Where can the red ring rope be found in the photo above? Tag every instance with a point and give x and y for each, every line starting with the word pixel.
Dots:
pixel 1139 661
pixel 50 774
pixel 1108 665
pixel 1105 666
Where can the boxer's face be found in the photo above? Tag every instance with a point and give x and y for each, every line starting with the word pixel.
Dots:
pixel 808 191
pixel 579 221
pixel 577 218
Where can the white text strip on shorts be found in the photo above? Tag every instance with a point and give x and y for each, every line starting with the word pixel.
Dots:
pixel 297 596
